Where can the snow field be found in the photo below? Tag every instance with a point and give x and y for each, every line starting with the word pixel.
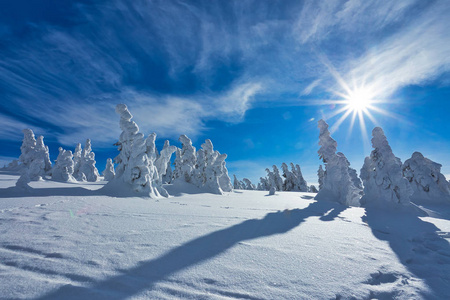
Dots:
pixel 242 245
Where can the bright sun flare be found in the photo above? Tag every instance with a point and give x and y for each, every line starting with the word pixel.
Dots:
pixel 359 100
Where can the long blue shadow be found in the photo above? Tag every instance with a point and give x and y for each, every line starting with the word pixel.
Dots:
pixel 420 246
pixel 148 273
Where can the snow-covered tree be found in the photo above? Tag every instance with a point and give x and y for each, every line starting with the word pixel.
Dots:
pixel 263 184
pixel 109 173
pixel 63 169
pixel 168 177
pixel 12 166
pixel 271 179
pixel 382 175
pixel 313 189
pixel 33 159
pixel 248 184
pixel 237 184
pixel 187 160
pixel 321 175
pixel 277 178
pixel 337 182
pixel 132 171
pixel 87 164
pixel 289 178
pixel 43 151
pixel 224 179
pixel 162 163
pixel 77 154
pixel 427 181
pixel 300 184
pixel 353 175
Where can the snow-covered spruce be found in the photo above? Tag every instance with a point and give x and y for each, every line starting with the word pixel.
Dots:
pixel 132 171
pixel 263 184
pixel 168 177
pixel 63 169
pixel 337 182
pixel 185 161
pixel 427 181
pixel 277 178
pixel 108 173
pixel 237 184
pixel 290 179
pixel 162 163
pixel 205 168
pixel 77 154
pixel 382 175
pixel 87 169
pixel 34 159
pixel 313 189
pixel 320 175
pixel 158 162
pixel 300 184
pixel 248 184
pixel 13 166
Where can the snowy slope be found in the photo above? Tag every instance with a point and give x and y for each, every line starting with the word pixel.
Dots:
pixel 67 241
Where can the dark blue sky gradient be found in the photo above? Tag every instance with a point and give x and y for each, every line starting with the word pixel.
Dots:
pixel 253 76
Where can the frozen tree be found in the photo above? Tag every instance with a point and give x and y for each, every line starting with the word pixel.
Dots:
pixel 109 173
pixel 187 159
pixel 248 184
pixel 277 178
pixel 427 181
pixel 87 164
pixel 151 150
pixel 353 175
pixel 33 159
pixel 263 184
pixel 12 166
pixel 224 179
pixel 63 169
pixel 132 162
pixel 270 179
pixel 77 154
pixel 167 178
pixel 337 183
pixel 237 184
pixel 382 175
pixel 162 163
pixel 177 163
pixel 289 178
pixel 313 189
pixel 272 191
pixel 43 152
pixel 300 184
pixel 321 175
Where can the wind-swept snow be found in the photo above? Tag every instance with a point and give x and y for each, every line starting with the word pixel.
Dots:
pixel 66 241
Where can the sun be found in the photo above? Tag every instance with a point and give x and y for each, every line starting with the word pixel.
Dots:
pixel 359 99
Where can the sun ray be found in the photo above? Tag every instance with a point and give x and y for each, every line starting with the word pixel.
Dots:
pixel 339 122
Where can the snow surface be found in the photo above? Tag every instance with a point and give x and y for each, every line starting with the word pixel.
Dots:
pixel 68 241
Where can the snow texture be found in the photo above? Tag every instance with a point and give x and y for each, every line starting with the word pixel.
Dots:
pixel 382 175
pixel 63 169
pixel 108 173
pixel 337 182
pixel 427 181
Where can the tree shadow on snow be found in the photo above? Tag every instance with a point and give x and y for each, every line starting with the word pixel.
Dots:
pixel 146 274
pixel 420 246
pixel 18 192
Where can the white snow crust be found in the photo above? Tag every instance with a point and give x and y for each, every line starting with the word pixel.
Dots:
pixel 66 241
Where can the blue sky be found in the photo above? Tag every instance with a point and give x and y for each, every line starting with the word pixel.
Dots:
pixel 253 76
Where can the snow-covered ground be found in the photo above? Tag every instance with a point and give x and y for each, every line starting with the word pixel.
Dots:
pixel 68 241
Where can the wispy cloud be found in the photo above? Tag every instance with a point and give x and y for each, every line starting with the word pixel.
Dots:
pixel 178 64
